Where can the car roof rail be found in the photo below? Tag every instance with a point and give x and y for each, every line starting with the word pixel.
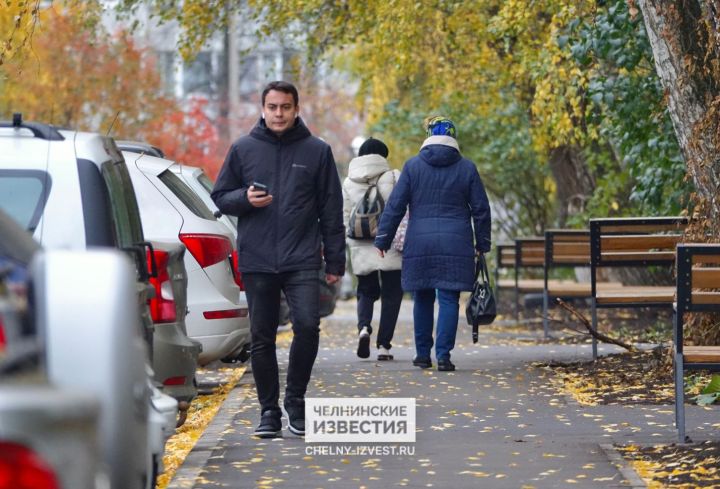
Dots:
pixel 140 147
pixel 39 130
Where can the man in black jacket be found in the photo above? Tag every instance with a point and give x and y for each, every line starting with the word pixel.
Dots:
pixel 282 184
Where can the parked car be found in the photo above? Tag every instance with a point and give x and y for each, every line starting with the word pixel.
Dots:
pixel 118 376
pixel 140 147
pixel 176 355
pixel 217 310
pixel 196 179
pixel 202 185
pixel 87 425
pixel 38 420
pixel 71 190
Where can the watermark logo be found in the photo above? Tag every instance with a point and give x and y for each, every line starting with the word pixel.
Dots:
pixel 360 420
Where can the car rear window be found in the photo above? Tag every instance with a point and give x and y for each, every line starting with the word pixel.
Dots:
pixel 208 185
pixel 23 194
pixel 206 182
pixel 186 195
pixel 128 226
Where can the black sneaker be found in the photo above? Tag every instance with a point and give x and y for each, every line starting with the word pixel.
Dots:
pixel 270 425
pixel 296 419
pixel 363 350
pixel 446 366
pixel 422 362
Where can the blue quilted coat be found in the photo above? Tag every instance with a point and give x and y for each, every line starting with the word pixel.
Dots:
pixel 446 199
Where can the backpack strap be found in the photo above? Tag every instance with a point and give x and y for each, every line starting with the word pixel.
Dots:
pixel 392 172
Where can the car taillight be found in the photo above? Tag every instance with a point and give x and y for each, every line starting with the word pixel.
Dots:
pixel 180 380
pixel 237 275
pixel 3 341
pixel 162 306
pixel 22 468
pixel 208 249
pixel 225 314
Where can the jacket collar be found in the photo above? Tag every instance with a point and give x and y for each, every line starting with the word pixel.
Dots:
pixel 298 131
pixel 367 167
pixel 442 140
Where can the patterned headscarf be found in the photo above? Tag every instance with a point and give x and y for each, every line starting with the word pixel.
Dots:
pixel 441 126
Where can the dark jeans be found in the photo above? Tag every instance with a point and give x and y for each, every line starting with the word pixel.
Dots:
pixel 447 323
pixel 385 286
pixel 263 293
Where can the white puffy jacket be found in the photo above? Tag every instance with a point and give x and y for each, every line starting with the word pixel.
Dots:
pixel 363 170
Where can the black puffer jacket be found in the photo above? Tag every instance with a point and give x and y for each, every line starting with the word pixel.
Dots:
pixel 299 171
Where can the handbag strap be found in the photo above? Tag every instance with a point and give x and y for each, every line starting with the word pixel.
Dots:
pixel 481 269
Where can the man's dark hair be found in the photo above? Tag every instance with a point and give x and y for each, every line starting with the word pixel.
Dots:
pixel 281 86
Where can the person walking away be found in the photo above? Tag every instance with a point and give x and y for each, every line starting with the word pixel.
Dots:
pixel 377 278
pixel 449 225
pixel 282 184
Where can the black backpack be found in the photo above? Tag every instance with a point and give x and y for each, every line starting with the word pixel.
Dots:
pixel 365 216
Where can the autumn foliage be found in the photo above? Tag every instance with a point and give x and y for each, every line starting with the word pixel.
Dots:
pixel 84 78
pixel 189 137
pixel 75 74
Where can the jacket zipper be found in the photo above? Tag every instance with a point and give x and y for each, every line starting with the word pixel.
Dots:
pixel 278 159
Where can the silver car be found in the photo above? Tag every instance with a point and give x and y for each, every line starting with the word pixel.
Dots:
pixel 175 355
pixel 38 420
pixel 86 425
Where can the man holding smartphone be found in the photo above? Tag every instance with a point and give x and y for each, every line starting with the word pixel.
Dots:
pixel 282 184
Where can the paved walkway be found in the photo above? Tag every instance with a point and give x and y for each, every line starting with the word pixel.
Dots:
pixel 496 422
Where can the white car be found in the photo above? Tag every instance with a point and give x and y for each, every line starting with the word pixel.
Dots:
pixel 170 210
pixel 202 185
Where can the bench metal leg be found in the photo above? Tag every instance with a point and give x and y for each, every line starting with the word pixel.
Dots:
pixel 517 293
pixel 546 325
pixel 594 328
pixel 679 397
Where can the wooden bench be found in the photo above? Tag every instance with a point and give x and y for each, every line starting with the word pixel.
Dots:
pixel 527 252
pixel 504 259
pixel 632 242
pixel 567 248
pixel 698 290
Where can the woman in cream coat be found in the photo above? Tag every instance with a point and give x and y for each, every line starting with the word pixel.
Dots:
pixel 378 278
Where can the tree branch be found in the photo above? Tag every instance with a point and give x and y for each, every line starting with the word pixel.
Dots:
pixel 588 326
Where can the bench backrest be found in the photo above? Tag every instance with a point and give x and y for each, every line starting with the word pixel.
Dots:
pixel 505 255
pixel 530 252
pixel 698 277
pixel 633 242
pixel 697 284
pixel 567 247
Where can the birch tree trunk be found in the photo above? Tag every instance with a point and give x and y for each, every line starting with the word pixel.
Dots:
pixel 684 44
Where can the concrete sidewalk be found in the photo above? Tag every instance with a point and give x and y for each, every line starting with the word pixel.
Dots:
pixel 495 423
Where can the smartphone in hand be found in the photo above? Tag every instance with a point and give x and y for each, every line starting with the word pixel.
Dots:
pixel 260 186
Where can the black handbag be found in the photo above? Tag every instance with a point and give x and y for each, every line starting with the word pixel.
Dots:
pixel 480 308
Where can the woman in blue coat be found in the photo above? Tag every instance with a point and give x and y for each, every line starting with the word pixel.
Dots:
pixel 449 225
